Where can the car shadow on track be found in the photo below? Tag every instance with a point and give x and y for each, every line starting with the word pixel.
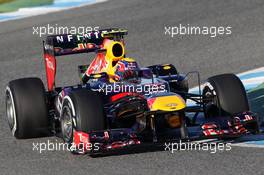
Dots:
pixel 146 148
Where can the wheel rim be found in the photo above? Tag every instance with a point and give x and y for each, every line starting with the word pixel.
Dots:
pixel 210 100
pixel 10 110
pixel 209 96
pixel 66 124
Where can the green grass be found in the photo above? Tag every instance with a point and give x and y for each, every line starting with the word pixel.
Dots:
pixel 14 5
pixel 5 1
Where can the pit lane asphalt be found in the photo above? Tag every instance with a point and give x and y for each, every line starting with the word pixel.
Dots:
pixel 21 56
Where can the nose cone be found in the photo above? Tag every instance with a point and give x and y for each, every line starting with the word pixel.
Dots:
pixel 166 103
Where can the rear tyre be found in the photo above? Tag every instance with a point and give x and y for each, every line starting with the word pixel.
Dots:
pixel 83 111
pixel 224 95
pixel 26 108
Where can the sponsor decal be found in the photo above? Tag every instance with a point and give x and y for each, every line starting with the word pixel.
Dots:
pixel 50 64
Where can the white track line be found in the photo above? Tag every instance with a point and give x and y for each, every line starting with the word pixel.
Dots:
pixel 35 11
pixel 247 145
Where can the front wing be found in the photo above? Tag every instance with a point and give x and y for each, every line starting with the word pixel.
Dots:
pixel 115 139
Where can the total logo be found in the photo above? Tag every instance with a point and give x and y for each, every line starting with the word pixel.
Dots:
pixel 171 105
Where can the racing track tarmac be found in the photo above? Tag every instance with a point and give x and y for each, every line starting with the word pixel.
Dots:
pixel 21 52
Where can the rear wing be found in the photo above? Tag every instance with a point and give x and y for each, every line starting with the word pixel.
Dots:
pixel 66 44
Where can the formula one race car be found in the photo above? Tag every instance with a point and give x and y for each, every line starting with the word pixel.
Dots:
pixel 117 104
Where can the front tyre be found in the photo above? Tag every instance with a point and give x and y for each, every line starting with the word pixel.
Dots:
pixel 224 95
pixel 82 111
